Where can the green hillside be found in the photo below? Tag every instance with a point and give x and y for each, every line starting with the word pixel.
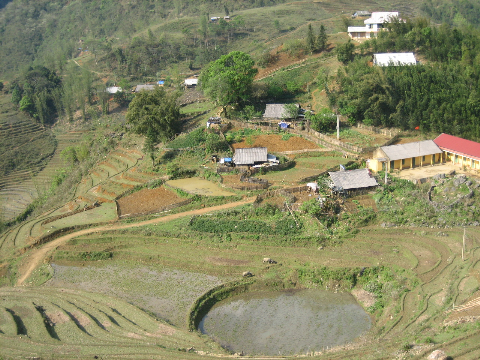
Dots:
pixel 117 232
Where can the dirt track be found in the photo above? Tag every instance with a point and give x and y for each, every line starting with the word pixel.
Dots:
pixel 36 256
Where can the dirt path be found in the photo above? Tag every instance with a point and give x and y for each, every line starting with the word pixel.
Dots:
pixel 37 255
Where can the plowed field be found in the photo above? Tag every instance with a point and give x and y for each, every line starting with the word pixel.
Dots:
pixel 274 143
pixel 147 200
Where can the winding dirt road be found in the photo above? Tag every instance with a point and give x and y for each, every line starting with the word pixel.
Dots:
pixel 36 256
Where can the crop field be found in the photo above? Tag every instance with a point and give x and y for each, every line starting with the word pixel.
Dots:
pixel 415 285
pixel 147 200
pixel 306 165
pixel 276 143
pixel 182 264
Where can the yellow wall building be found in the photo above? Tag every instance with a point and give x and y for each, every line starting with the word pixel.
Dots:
pixel 405 156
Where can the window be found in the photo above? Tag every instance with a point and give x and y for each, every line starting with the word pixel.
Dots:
pixel 423 158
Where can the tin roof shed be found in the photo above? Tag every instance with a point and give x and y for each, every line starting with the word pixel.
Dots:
pixel 352 179
pixel 250 156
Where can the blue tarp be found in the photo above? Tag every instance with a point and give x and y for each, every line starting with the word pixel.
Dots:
pixel 283 125
pixel 227 159
pixel 161 82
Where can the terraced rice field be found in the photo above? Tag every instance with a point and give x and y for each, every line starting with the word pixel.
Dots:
pixel 21 188
pixel 79 324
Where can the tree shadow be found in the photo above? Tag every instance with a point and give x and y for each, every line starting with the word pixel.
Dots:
pixel 4 3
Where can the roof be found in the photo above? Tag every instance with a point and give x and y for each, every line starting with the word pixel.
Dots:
pixel 249 156
pixel 145 87
pixel 191 82
pixel 395 59
pixel 113 89
pixel 381 17
pixel 410 150
pixel 363 13
pixel 358 29
pixel 276 111
pixel 458 146
pixel 353 179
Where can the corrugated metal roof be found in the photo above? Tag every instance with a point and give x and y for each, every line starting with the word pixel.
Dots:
pixel 458 146
pixel 274 111
pixel 145 87
pixel 410 150
pixel 353 179
pixel 249 156
pixel 395 59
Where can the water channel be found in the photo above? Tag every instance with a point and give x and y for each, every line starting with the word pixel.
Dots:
pixel 290 322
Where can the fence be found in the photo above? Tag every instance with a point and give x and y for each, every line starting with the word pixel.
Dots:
pixel 387 132
pixel 322 139
pixel 282 192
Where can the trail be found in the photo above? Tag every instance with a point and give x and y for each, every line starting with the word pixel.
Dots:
pixel 36 256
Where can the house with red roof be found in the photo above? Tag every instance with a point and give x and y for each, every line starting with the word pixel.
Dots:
pixel 461 152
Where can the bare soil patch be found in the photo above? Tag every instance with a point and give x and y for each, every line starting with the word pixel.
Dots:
pixel 147 200
pixel 364 297
pixel 274 143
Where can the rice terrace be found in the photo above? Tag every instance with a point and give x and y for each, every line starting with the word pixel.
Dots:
pixel 137 285
pixel 239 179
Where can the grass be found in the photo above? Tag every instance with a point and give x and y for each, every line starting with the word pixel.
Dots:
pixel 196 107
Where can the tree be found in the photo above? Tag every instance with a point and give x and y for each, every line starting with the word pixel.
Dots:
pixel 322 39
pixel 154 114
pixel 345 52
pixel 16 95
pixel 228 80
pixel 310 42
pixel 26 104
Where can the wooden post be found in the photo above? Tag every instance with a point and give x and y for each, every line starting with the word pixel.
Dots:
pixel 463 245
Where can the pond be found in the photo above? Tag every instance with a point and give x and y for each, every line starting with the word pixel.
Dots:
pixel 289 322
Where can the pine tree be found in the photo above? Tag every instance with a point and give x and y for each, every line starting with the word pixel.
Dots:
pixel 310 39
pixel 322 39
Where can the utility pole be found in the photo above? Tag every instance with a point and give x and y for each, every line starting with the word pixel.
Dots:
pixel 338 127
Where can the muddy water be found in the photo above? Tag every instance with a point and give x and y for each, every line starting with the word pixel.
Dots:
pixel 285 323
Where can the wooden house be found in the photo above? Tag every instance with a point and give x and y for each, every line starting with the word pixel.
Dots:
pixel 352 180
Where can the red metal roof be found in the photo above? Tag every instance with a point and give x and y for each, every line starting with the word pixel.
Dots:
pixel 458 146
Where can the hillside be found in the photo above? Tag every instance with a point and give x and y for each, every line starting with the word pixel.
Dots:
pixel 116 243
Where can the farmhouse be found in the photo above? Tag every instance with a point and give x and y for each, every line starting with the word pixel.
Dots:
pixel 394 59
pixel 462 152
pixel 277 111
pixel 113 89
pixel 250 156
pixel 405 156
pixel 373 25
pixel 352 180
pixel 191 82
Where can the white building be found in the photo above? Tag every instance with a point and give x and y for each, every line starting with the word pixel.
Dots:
pixel 372 25
pixel 394 59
